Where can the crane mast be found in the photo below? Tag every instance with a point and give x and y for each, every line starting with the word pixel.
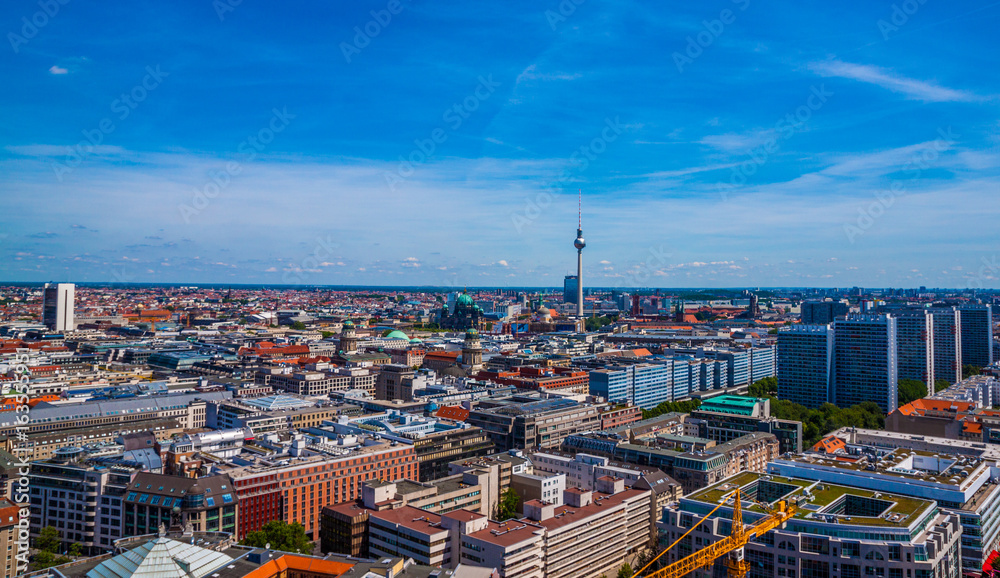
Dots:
pixel 732 545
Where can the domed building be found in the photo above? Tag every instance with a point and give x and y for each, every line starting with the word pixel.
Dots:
pixel 467 315
pixel 472 351
pixel 397 334
pixel 348 338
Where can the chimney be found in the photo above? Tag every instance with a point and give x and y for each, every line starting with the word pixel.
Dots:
pixel 577 497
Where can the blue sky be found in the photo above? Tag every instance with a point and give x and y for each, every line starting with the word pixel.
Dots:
pixel 724 143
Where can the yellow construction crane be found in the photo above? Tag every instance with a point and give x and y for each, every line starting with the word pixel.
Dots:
pixel 731 545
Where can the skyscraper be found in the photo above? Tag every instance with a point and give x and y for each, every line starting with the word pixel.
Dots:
pixel 864 361
pixel 570 285
pixel 947 344
pixel 57 306
pixel 915 346
pixel 977 335
pixel 579 243
pixel 805 360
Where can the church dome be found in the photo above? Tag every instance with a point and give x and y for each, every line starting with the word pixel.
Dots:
pixel 397 334
pixel 348 323
pixel 464 301
pixel 471 333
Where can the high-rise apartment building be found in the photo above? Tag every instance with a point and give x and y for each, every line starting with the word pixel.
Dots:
pixel 915 347
pixel 57 306
pixel 977 335
pixel 822 312
pixel 805 360
pixel 947 344
pixel 865 361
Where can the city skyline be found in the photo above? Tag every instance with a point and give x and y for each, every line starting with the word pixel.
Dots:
pixel 674 120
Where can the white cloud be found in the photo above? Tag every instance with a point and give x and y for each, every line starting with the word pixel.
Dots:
pixel 912 88
pixel 58 70
pixel 502 263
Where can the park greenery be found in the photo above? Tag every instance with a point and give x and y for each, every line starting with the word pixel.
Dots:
pixel 685 406
pixel 595 323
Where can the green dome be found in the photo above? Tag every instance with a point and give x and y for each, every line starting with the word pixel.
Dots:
pixel 348 323
pixel 471 333
pixel 464 301
pixel 397 334
pixel 415 340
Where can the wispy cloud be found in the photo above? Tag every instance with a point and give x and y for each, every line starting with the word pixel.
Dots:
pixel 912 88
pixel 55 69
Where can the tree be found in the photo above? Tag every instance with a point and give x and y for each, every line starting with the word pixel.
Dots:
pixel 298 325
pixel 75 550
pixel 625 571
pixel 685 406
pixel 281 536
pixel 910 390
pixel 941 384
pixel 970 370
pixel 326 334
pixel 48 540
pixel 764 387
pixel 45 559
pixel 507 508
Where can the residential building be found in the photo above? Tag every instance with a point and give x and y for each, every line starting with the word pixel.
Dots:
pixel 977 335
pixel 947 344
pixel 864 361
pixel 915 347
pixel 805 363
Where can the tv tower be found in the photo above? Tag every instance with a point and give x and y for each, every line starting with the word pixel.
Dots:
pixel 579 243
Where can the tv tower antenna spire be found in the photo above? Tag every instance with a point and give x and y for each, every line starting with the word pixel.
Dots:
pixel 579 243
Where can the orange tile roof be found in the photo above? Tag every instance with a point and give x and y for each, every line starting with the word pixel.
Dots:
pixel 300 564
pixel 453 412
pixel 829 445
pixel 641 352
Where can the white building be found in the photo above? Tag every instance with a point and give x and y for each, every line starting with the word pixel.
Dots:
pixel 57 306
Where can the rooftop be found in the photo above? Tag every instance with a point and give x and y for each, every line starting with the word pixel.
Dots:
pixel 820 501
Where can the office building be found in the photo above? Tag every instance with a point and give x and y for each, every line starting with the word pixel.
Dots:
pixel 822 312
pixel 965 486
pixel 521 422
pixel 57 306
pixel 208 504
pixel 839 531
pixel 977 335
pixel 569 288
pixel 83 501
pixel 805 362
pixel 864 361
pixel 726 418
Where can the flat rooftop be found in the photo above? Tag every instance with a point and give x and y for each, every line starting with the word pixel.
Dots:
pixel 955 471
pixel 820 501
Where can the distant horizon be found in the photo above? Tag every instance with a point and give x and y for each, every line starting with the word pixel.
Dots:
pixel 470 288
